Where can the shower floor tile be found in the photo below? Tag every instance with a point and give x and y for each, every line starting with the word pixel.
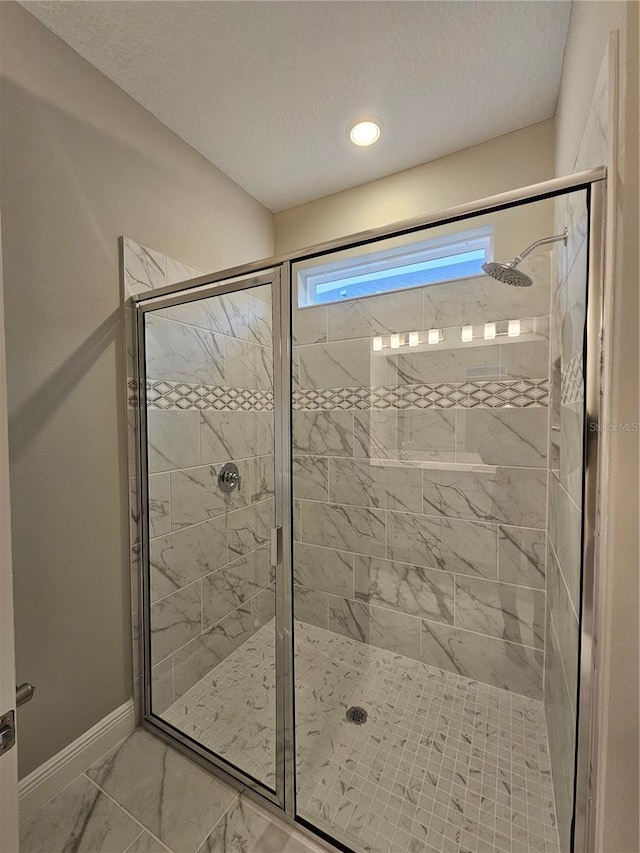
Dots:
pixel 442 765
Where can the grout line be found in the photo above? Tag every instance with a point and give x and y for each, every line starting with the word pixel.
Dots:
pixel 137 838
pixel 127 812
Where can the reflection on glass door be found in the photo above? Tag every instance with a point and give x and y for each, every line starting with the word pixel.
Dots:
pixel 210 450
pixel 437 437
pixel 428 585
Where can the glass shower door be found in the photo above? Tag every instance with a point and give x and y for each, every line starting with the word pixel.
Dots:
pixel 437 438
pixel 212 506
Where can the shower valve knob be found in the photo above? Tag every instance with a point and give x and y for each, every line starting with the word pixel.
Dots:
pixel 229 477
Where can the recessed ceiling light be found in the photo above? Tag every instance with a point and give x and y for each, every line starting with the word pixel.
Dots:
pixel 364 132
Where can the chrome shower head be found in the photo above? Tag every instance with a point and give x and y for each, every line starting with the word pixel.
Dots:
pixel 508 274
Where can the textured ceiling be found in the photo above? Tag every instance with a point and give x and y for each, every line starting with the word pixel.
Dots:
pixel 266 90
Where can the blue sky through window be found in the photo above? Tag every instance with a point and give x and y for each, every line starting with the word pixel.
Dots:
pixel 459 265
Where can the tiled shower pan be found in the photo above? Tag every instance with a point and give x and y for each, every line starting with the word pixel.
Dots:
pixel 443 764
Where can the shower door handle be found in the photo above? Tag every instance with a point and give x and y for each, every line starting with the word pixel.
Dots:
pixel 276 533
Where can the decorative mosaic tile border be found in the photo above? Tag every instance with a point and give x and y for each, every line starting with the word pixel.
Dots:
pixel 182 395
pixel 572 388
pixel 514 393
pixel 517 393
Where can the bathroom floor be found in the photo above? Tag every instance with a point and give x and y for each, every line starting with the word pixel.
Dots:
pixel 145 797
pixel 442 765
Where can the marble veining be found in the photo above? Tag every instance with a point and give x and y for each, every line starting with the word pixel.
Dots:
pixel 172 440
pixel 248 365
pixel 173 798
pixel 243 828
pixel 502 610
pixel 404 587
pixel 451 545
pixel 179 353
pixel 348 528
pixel 522 556
pixel 225 314
pixel 367 482
pixel 506 437
pixel 82 819
pixel 375 315
pixel 196 495
pixel 339 364
pixel 235 435
pixel 565 526
pixel 406 435
pixel 514 496
pixel 175 620
pixel 444 763
pixel 565 623
pixel 323 433
pixel 180 558
pixel 199 656
pixel 376 626
pixel 445 365
pixel 311 477
pixel 249 528
pixel 324 569
pixel 510 666
pixel 144 269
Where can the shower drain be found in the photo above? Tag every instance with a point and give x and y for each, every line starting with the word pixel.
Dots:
pixel 356 715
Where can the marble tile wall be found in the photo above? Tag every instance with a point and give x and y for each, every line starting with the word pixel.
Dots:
pixel 569 298
pixel 210 400
pixel 565 500
pixel 421 492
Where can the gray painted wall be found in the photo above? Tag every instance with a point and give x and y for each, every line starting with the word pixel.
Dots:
pixel 82 163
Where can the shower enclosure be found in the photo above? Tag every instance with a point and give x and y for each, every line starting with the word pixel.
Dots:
pixel 366 498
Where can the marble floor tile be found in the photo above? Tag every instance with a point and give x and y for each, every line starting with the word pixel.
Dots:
pixel 443 763
pixel 146 843
pixel 173 798
pixel 82 819
pixel 245 829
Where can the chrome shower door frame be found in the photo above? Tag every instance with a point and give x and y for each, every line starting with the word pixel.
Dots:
pixel 593 182
pixel 152 301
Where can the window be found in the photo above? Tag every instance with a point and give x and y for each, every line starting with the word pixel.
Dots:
pixel 445 258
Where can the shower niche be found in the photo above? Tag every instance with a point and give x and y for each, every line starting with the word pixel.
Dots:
pixel 364 492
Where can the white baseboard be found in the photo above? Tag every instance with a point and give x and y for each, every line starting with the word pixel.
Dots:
pixel 55 774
